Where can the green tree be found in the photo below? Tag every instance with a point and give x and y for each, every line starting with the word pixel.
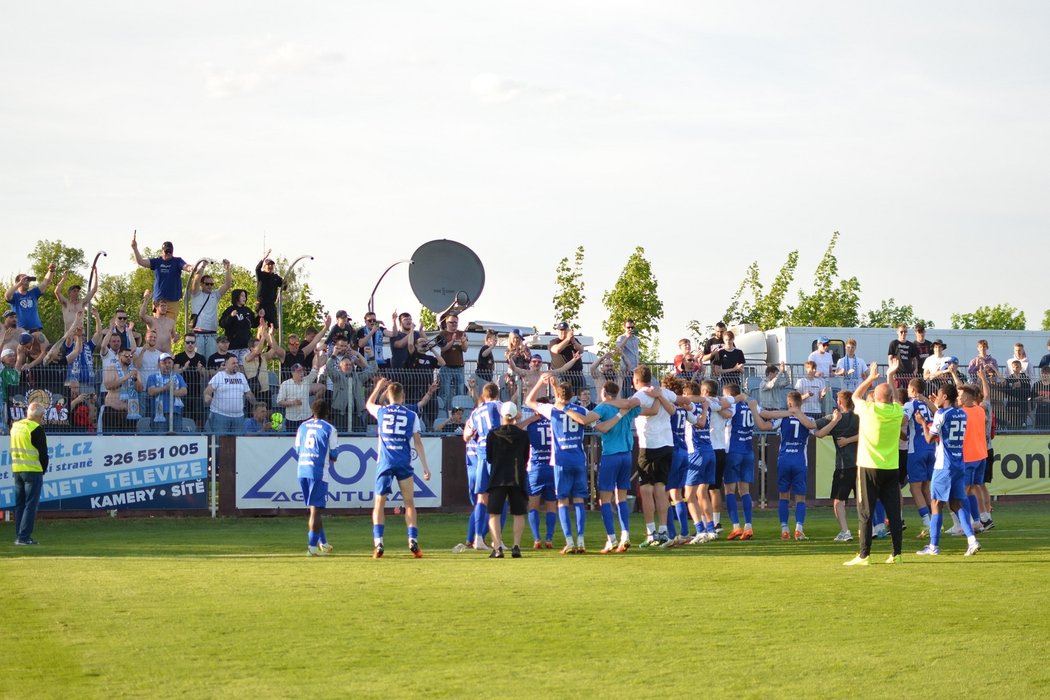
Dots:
pixel 66 260
pixel 890 315
pixel 833 302
pixel 1046 320
pixel 635 296
pixel 999 317
pixel 569 297
pixel 428 322
pixel 765 310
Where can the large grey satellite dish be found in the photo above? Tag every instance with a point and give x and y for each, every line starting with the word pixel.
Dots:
pixel 446 275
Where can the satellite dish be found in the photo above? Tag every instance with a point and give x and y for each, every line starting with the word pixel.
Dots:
pixel 446 276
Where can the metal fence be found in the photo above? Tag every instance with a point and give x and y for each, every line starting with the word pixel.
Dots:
pixel 79 402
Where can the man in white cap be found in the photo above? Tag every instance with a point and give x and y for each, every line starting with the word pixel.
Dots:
pixel 508 456
pixel 822 358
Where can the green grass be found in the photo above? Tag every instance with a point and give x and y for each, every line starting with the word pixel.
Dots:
pixel 234 608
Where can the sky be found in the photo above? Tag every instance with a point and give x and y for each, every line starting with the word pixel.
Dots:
pixel 712 134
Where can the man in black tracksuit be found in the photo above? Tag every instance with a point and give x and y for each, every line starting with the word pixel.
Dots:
pixel 508 456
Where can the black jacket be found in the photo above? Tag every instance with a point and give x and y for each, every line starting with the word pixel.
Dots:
pixel 508 454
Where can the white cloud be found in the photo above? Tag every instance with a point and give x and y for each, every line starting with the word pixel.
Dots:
pixel 294 58
pixel 227 83
pixel 490 87
pixel 273 62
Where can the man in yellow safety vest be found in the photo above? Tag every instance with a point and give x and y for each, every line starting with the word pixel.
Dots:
pixel 28 464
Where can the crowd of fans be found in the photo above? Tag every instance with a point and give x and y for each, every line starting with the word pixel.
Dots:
pixel 233 375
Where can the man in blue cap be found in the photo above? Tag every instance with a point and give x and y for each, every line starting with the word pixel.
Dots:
pixel 822 358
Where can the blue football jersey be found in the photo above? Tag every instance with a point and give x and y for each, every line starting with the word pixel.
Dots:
pixel 567 434
pixel 484 419
pixel 793 439
pixel 315 442
pixel 397 425
pixel 741 430
pixel 916 439
pixel 700 438
pixel 678 423
pixel 950 425
pixel 540 441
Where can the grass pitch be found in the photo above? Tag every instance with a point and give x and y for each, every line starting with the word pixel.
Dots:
pixel 233 608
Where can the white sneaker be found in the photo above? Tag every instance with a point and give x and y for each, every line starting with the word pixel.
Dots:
pixel 324 548
pixel 311 551
pixel 929 551
pixel 955 531
pixel 481 546
pixel 609 548
pixel 460 548
pixel 973 549
pixel 699 538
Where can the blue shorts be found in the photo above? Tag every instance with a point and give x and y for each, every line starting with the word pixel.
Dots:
pixel 481 476
pixel 614 472
pixel 948 485
pixel 676 474
pixel 920 466
pixel 541 481
pixel 700 468
pixel 386 478
pixel 975 472
pixel 791 478
pixel 740 468
pixel 570 481
pixel 314 491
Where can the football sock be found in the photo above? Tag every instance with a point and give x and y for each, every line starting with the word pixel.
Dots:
pixel 925 517
pixel 607 519
pixel 481 522
pixel 534 523
pixel 650 529
pixel 413 533
pixel 711 526
pixel 975 511
pixel 964 520
pixel 470 528
pixel 625 516
pixel 746 500
pixel 880 515
pixel 800 514
pixel 563 518
pixel 671 530
pixel 955 520
pixel 552 517
pixel 717 515
pixel 581 519
pixel 936 520
pixel 782 510
pixel 377 534
pixel 698 526
pixel 311 538
pixel 734 515
pixel 321 538
pixel 682 508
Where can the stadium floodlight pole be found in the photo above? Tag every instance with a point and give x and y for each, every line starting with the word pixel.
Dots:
pixel 372 296
pixel 197 267
pixel 280 296
pixel 92 278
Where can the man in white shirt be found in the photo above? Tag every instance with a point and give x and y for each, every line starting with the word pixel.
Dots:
pixel 294 396
pixel 850 367
pixel 225 395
